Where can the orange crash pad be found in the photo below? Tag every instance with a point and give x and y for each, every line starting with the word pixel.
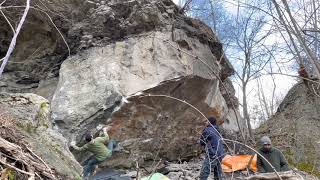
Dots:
pixel 239 162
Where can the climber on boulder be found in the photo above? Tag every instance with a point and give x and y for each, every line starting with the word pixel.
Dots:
pixel 101 148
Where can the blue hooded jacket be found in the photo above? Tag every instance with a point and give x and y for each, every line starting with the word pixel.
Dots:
pixel 212 141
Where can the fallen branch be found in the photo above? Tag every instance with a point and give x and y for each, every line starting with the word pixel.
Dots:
pixel 17 169
pixel 26 159
pixel 272 176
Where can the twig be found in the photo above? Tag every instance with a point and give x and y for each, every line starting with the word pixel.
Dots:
pixel 25 158
pixel 38 9
pixel 170 97
pixel 182 10
pixel 315 92
pixel 64 40
pixel 38 175
pixel 137 167
pixel 290 75
pixel 2 2
pixel 249 163
pixel 232 175
pixel 5 17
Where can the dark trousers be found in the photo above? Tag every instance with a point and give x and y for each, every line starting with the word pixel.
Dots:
pixel 208 165
pixel 91 163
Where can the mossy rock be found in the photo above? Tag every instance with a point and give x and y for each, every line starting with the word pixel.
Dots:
pixel 24 111
pixel 307 167
pixel 302 166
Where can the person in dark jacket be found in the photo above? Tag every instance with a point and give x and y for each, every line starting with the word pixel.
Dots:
pixel 212 141
pixel 273 155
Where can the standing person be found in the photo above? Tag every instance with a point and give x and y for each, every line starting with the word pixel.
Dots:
pixel 212 141
pixel 274 156
pixel 101 148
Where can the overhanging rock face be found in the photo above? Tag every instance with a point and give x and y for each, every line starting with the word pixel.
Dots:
pixel 159 124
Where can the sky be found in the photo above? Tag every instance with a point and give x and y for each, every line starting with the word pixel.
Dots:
pixel 176 1
pixel 282 83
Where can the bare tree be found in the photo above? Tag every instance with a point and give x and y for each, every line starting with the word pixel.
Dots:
pixel 214 14
pixel 250 36
pixel 302 32
pixel 245 35
pixel 267 101
pixel 262 100
pixel 184 5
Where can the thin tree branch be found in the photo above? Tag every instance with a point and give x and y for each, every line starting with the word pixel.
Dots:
pixel 9 23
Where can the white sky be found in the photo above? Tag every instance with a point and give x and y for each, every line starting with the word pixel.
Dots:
pixel 176 1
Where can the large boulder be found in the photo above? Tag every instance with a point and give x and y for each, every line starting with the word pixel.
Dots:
pixel 295 128
pixel 120 51
pixel 110 83
pixel 30 115
pixel 94 80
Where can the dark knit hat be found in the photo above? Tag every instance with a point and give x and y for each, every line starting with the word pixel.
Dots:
pixel 212 120
pixel 88 137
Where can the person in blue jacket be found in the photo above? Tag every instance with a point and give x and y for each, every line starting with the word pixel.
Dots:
pixel 212 141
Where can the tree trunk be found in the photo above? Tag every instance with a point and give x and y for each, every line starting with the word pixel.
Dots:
pixel 245 109
pixel 263 100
